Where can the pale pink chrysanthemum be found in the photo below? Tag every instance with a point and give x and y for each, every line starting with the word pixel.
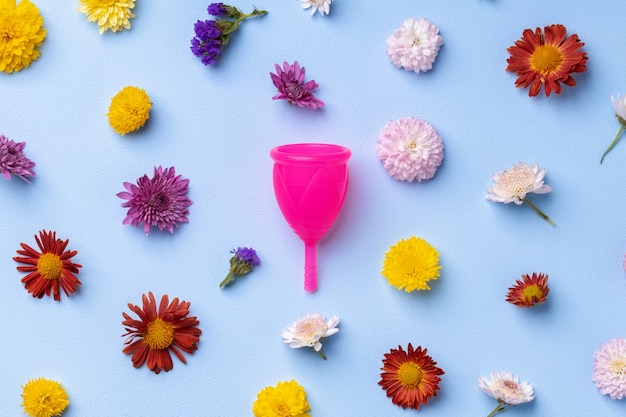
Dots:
pixel 309 331
pixel 410 149
pixel 13 161
pixel 289 80
pixel 414 45
pixel 514 183
pixel 506 388
pixel 624 262
pixel 158 201
pixel 609 368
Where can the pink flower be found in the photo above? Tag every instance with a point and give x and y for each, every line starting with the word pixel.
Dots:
pixel 13 161
pixel 414 45
pixel 289 80
pixel 609 368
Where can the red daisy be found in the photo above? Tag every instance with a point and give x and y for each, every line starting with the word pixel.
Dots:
pixel 49 270
pixel 410 378
pixel 530 291
pixel 157 332
pixel 546 58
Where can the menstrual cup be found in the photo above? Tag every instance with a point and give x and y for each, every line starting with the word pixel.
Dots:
pixel 310 183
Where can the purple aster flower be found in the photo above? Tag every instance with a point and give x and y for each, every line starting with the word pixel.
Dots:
pixel 246 255
pixel 216 9
pixel 241 264
pixel 158 201
pixel 289 80
pixel 13 161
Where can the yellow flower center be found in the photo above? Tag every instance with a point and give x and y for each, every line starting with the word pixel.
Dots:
pixel 282 410
pixel 159 334
pixel 50 266
pixel 410 374
pixel 619 367
pixel 546 59
pixel 412 145
pixel 531 291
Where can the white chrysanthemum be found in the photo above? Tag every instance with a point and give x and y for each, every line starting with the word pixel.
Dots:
pixel 309 331
pixel 414 45
pixel 410 149
pixel 619 104
pixel 506 387
pixel 609 368
pixel 513 184
pixel 321 6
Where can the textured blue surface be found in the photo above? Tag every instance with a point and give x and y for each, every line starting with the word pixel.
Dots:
pixel 216 125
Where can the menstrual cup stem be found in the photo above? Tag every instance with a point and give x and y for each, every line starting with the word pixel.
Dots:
pixel 310 266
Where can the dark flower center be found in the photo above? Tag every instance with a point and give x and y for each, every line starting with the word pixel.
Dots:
pixel 159 201
pixel 294 90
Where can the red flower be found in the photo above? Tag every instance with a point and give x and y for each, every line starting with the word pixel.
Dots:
pixel 156 333
pixel 546 58
pixel 529 292
pixel 49 270
pixel 410 378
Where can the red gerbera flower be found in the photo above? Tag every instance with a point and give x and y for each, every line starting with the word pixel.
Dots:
pixel 530 291
pixel 410 378
pixel 157 332
pixel 546 58
pixel 49 270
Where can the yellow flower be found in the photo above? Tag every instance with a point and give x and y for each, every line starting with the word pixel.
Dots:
pixel 21 32
pixel 44 398
pixel 286 399
pixel 110 14
pixel 410 264
pixel 129 110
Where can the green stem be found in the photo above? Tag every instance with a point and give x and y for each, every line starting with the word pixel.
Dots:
pixel 319 352
pixel 539 212
pixel 500 407
pixel 229 278
pixel 619 133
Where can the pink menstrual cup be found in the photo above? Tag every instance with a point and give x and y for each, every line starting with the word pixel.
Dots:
pixel 310 183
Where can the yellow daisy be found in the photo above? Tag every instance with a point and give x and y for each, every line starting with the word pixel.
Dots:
pixel 410 264
pixel 109 14
pixel 21 32
pixel 286 399
pixel 44 398
pixel 129 110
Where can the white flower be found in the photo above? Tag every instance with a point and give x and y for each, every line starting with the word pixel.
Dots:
pixel 609 368
pixel 506 388
pixel 414 45
pixel 410 149
pixel 309 332
pixel 321 6
pixel 513 184
pixel 619 105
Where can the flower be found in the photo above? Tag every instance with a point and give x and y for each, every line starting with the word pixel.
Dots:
pixel 513 184
pixel 13 161
pixel 286 399
pixel 21 33
pixel 410 149
pixel 158 201
pixel 410 264
pixel 43 397
pixel 506 388
pixel 624 262
pixel 321 6
pixel 157 332
pixel 242 263
pixel 129 110
pixel 410 377
pixel 111 15
pixel 309 332
pixel 530 291
pixel 213 35
pixel 619 105
pixel 609 368
pixel 289 80
pixel 49 270
pixel 545 58
pixel 414 45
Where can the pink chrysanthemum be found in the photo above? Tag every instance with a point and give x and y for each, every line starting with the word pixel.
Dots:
pixel 410 149
pixel 289 80
pixel 609 368
pixel 414 45
pixel 13 161
pixel 158 201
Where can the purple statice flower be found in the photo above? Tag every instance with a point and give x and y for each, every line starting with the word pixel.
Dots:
pixel 216 9
pixel 207 43
pixel 13 161
pixel 289 80
pixel 158 201
pixel 246 255
pixel 242 263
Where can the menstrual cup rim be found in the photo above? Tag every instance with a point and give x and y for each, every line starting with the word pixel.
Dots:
pixel 330 153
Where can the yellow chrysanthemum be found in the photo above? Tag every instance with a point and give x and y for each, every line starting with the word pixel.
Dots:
pixel 109 14
pixel 410 264
pixel 21 32
pixel 286 399
pixel 129 110
pixel 44 398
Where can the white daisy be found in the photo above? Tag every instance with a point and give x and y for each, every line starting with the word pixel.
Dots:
pixel 309 332
pixel 505 387
pixel 321 6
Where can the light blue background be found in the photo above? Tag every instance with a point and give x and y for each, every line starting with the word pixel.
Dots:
pixel 216 125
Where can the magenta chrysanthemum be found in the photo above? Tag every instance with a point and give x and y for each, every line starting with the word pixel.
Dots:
pixel 609 368
pixel 158 201
pixel 414 45
pixel 13 161
pixel 289 80
pixel 410 149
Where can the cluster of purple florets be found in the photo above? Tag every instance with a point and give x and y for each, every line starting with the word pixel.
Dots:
pixel 208 41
